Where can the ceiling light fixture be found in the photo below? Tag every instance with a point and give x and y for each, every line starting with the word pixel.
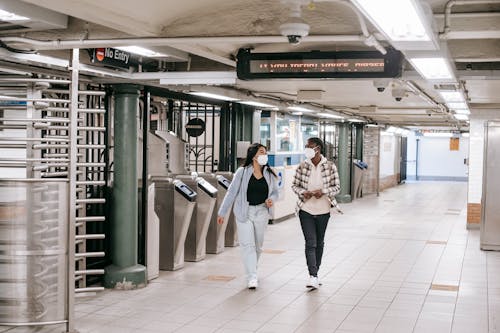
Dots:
pixel 329 115
pixel 439 134
pixel 300 108
pixel 258 104
pixel 11 17
pixel 403 22
pixel 201 77
pixel 432 68
pixel 456 106
pixel 452 96
pixel 461 116
pixel 214 96
pixel 142 51
pixel 462 111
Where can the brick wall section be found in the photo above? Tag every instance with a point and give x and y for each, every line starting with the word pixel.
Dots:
pixel 388 181
pixel 473 213
pixel 371 157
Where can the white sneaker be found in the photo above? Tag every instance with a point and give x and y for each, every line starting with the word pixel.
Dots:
pixel 313 282
pixel 253 284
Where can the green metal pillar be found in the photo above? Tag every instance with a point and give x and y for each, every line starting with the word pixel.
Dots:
pixel 124 272
pixel 343 164
pixel 359 142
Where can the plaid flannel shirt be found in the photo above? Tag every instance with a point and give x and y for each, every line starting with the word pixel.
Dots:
pixel 331 182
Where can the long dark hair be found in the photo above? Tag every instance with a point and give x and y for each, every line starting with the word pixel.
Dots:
pixel 251 152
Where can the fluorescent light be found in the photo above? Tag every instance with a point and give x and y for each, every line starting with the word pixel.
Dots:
pixel 399 20
pixel 462 111
pixel 452 96
pixel 300 108
pixel 214 96
pixel 329 115
pixel 465 135
pixel 258 104
pixel 142 51
pixel 353 120
pixel 439 134
pixel 461 116
pixel 455 106
pixel 9 17
pixel 199 77
pixel 372 125
pixel 432 68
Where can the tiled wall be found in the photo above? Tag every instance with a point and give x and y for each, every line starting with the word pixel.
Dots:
pixel 371 157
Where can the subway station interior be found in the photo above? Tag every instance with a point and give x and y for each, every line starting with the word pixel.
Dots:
pixel 122 124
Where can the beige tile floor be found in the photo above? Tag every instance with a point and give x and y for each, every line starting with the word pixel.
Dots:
pixel 400 262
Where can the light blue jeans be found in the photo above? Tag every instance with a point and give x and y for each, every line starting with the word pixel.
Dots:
pixel 251 237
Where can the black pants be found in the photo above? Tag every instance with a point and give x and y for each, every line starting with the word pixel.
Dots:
pixel 313 228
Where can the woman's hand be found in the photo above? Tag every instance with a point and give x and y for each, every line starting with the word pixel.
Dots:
pixel 269 203
pixel 220 220
pixel 307 195
pixel 317 194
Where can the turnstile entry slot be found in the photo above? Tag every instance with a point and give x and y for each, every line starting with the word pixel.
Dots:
pixel 185 191
pixel 196 239
pixel 175 204
pixel 224 181
pixel 207 187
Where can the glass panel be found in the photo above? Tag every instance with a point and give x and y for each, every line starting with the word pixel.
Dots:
pixel 287 134
pixel 265 132
pixel 309 130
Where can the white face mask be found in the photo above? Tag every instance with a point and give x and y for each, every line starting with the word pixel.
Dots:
pixel 309 152
pixel 262 159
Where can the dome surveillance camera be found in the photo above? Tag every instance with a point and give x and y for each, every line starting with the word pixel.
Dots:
pixel 294 39
pixel 398 94
pixel 294 31
pixel 381 84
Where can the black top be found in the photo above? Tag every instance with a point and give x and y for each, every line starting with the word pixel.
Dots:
pixel 257 191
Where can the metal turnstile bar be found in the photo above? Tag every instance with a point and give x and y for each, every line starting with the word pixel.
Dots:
pixel 13 79
pixel 45 139
pixel 91 219
pixel 90 272
pixel 88 289
pixel 91 201
pixel 89 254
pixel 91 182
pixel 90 236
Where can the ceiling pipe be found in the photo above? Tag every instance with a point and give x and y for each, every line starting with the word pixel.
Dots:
pixel 370 39
pixel 451 3
pixel 162 41
pixel 182 43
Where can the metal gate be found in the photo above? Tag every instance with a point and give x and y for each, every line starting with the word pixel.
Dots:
pixel 52 175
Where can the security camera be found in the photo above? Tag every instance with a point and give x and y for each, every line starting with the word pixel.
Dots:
pixel 294 31
pixel 398 94
pixel 381 84
pixel 294 39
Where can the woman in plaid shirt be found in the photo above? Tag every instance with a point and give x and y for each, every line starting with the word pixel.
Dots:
pixel 316 183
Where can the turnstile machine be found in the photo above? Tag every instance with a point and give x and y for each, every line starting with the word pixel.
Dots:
pixel 216 232
pixel 174 205
pixel 195 248
pixel 231 237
